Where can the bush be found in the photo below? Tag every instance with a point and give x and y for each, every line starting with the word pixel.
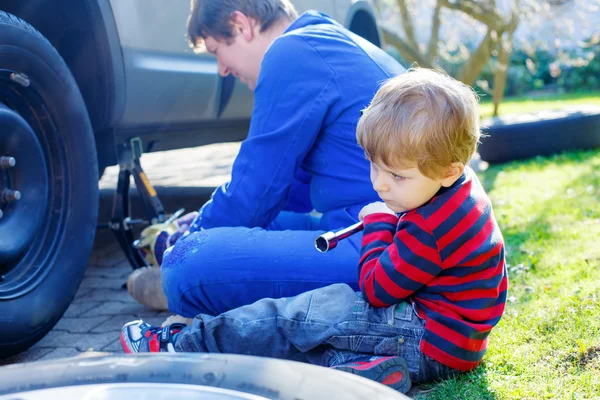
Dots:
pixel 580 70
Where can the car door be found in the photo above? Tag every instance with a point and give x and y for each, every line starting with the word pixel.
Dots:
pixel 166 82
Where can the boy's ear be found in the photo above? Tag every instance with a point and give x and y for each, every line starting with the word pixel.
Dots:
pixel 242 25
pixel 453 172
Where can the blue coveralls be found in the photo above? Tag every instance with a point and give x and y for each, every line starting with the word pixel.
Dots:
pixel 254 238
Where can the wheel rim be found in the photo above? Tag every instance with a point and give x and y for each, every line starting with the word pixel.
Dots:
pixel 33 182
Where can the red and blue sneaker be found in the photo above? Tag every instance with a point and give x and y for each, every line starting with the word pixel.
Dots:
pixel 140 337
pixel 390 371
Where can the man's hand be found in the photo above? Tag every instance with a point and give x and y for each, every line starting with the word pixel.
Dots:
pixel 374 208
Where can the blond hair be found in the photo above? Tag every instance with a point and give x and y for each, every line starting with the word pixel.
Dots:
pixel 421 117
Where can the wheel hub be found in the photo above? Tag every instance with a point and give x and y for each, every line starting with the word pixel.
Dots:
pixel 23 185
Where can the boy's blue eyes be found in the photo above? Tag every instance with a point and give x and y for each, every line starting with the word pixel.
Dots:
pixel 398 177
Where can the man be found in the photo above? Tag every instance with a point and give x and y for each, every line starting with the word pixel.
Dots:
pixel 254 239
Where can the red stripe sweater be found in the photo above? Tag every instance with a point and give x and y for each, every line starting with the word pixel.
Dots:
pixel 447 258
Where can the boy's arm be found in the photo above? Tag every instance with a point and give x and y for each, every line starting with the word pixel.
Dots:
pixel 395 261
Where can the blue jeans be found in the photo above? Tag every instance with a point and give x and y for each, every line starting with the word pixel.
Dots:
pixel 219 269
pixel 327 326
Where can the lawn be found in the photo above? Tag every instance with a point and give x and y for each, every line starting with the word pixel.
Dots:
pixel 547 346
pixel 541 102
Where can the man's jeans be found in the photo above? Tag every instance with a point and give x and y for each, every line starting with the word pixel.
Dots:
pixel 328 326
pixel 219 269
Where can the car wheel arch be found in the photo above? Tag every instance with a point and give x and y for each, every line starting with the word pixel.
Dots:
pixel 361 20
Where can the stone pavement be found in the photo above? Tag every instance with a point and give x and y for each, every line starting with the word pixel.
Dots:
pixel 92 323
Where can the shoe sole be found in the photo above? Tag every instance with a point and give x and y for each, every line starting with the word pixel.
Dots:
pixel 389 371
pixel 125 343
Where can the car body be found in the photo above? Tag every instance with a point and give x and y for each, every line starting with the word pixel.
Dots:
pixel 140 78
pixel 80 80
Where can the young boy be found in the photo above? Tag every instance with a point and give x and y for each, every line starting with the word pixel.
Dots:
pixel 432 275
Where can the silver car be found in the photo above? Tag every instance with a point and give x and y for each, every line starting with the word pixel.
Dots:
pixel 85 84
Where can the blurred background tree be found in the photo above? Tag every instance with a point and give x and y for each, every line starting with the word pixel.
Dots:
pixel 500 47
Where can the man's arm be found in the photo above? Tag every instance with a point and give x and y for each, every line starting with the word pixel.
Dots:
pixel 396 263
pixel 293 96
pixel 299 197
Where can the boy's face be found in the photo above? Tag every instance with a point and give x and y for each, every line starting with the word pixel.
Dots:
pixel 403 189
pixel 238 58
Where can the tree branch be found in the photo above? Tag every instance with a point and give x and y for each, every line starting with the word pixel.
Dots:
pixel 434 38
pixel 408 53
pixel 471 70
pixel 407 24
pixel 479 11
pixel 502 63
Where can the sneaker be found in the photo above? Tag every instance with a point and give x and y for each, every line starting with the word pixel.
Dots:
pixel 390 371
pixel 145 286
pixel 140 337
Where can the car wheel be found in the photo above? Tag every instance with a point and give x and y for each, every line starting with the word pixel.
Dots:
pixel 522 136
pixel 188 376
pixel 48 186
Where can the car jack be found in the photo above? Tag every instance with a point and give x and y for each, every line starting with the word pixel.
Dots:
pixel 129 154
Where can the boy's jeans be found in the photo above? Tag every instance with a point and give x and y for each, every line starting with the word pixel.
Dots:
pixel 328 326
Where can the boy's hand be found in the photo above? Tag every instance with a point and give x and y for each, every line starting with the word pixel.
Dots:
pixel 374 208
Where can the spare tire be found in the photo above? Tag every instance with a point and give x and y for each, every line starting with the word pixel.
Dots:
pixel 522 136
pixel 48 168
pixel 186 375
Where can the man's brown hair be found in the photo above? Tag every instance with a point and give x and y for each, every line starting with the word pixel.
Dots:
pixel 421 117
pixel 213 17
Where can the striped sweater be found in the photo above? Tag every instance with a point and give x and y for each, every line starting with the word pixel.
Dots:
pixel 447 258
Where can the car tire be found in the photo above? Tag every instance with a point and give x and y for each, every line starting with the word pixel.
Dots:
pixel 517 137
pixel 231 374
pixel 47 231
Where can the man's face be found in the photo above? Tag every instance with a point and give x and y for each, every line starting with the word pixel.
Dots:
pixel 402 189
pixel 238 57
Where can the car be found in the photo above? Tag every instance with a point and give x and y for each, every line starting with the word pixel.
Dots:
pixel 85 84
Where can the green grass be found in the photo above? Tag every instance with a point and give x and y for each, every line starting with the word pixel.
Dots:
pixel 547 102
pixel 547 346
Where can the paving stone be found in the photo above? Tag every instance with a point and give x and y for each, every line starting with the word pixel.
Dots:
pixel 80 324
pixel 61 352
pixel 102 283
pixel 96 341
pixel 76 309
pixel 114 347
pixel 123 264
pixel 29 355
pixel 80 341
pixel 82 292
pixel 110 261
pixel 105 295
pixel 115 323
pixel 130 307
pixel 68 352
pixel 95 272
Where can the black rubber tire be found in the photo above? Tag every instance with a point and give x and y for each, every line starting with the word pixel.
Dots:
pixel 58 255
pixel 271 378
pixel 518 137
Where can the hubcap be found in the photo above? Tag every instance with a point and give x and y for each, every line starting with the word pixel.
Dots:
pixel 23 185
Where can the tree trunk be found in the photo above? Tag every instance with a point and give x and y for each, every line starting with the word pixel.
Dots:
pixel 407 24
pixel 410 55
pixel 432 47
pixel 504 52
pixel 471 70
